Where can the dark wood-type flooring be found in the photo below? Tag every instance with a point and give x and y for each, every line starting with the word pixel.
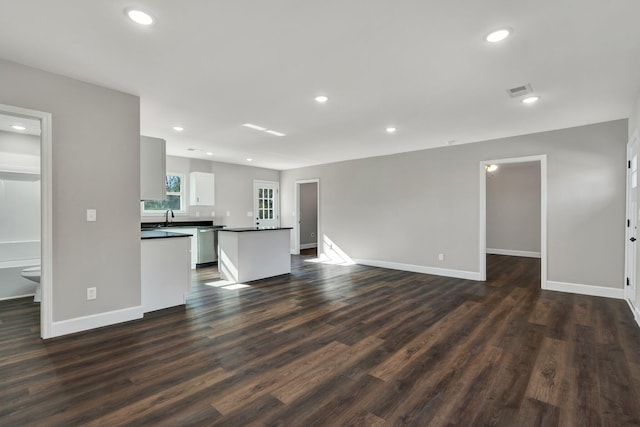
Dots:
pixel 336 346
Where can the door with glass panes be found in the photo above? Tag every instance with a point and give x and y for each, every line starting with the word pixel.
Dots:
pixel 265 203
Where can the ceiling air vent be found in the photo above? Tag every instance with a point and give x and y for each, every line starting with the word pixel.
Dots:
pixel 516 92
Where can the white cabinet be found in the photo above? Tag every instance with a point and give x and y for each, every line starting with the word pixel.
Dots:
pixel 153 160
pixel 166 276
pixel 201 189
pixel 194 240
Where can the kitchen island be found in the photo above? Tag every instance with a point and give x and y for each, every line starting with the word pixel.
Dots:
pixel 166 269
pixel 246 254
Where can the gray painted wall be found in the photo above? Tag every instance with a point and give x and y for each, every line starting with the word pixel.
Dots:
pixel 407 208
pixel 233 190
pixel 96 164
pixel 513 207
pixel 308 213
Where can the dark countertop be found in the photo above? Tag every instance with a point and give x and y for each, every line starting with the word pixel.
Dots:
pixel 189 224
pixel 154 234
pixel 240 230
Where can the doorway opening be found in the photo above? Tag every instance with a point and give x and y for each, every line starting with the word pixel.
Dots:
pixel 508 232
pixel 307 225
pixel 29 182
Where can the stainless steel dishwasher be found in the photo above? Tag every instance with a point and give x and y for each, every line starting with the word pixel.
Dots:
pixel 207 245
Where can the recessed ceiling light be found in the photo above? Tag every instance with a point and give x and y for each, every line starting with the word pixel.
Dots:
pixel 498 35
pixel 249 159
pixel 391 129
pixel 139 17
pixel 209 153
pixel 492 168
pixel 321 99
pixel 178 128
pixel 273 132
pixel 18 127
pixel 530 100
pixel 256 127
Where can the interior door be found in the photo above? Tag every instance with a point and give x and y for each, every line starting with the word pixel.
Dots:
pixel 266 202
pixel 632 218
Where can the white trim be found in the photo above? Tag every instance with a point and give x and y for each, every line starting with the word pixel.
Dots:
pixel 46 211
pixel 576 288
pixel 510 252
pixel 630 270
pixel 308 245
pixel 543 212
pixel 635 312
pixel 296 224
pixel 93 321
pixel 17 296
pixel 459 274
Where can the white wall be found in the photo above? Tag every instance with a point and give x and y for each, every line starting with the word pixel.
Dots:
pixel 408 208
pixel 513 208
pixel 19 194
pixel 308 213
pixel 233 190
pixel 96 164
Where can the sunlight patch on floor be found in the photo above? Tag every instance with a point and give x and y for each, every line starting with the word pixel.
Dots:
pixel 227 284
pixel 332 254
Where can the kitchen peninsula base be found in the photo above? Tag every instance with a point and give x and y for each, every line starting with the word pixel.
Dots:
pixel 166 270
pixel 247 254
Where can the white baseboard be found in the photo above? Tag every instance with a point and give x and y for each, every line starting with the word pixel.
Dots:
pixel 17 296
pixel 93 321
pixel 510 252
pixel 308 245
pixel 575 288
pixel 635 311
pixel 459 274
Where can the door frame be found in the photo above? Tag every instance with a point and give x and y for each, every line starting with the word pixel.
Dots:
pixel 296 222
pixel 257 182
pixel 630 264
pixel 543 212
pixel 46 211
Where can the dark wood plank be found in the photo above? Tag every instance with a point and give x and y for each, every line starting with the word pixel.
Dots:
pixel 336 345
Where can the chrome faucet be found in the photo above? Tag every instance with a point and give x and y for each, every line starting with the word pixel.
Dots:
pixel 166 217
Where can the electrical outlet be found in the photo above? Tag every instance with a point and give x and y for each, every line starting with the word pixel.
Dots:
pixel 197 214
pixel 213 213
pixel 228 213
pixel 249 213
pixel 91 215
pixel 441 257
pixel 92 293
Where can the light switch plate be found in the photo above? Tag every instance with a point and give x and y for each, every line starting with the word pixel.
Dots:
pixel 91 215
pixel 249 213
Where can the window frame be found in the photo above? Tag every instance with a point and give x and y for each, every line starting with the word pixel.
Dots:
pixel 181 194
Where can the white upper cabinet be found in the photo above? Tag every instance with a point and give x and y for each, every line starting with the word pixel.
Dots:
pixel 201 189
pixel 153 169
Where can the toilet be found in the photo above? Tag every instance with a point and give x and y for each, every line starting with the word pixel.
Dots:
pixel 33 274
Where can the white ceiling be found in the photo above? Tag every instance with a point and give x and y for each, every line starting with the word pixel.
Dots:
pixel 420 65
pixel 32 127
